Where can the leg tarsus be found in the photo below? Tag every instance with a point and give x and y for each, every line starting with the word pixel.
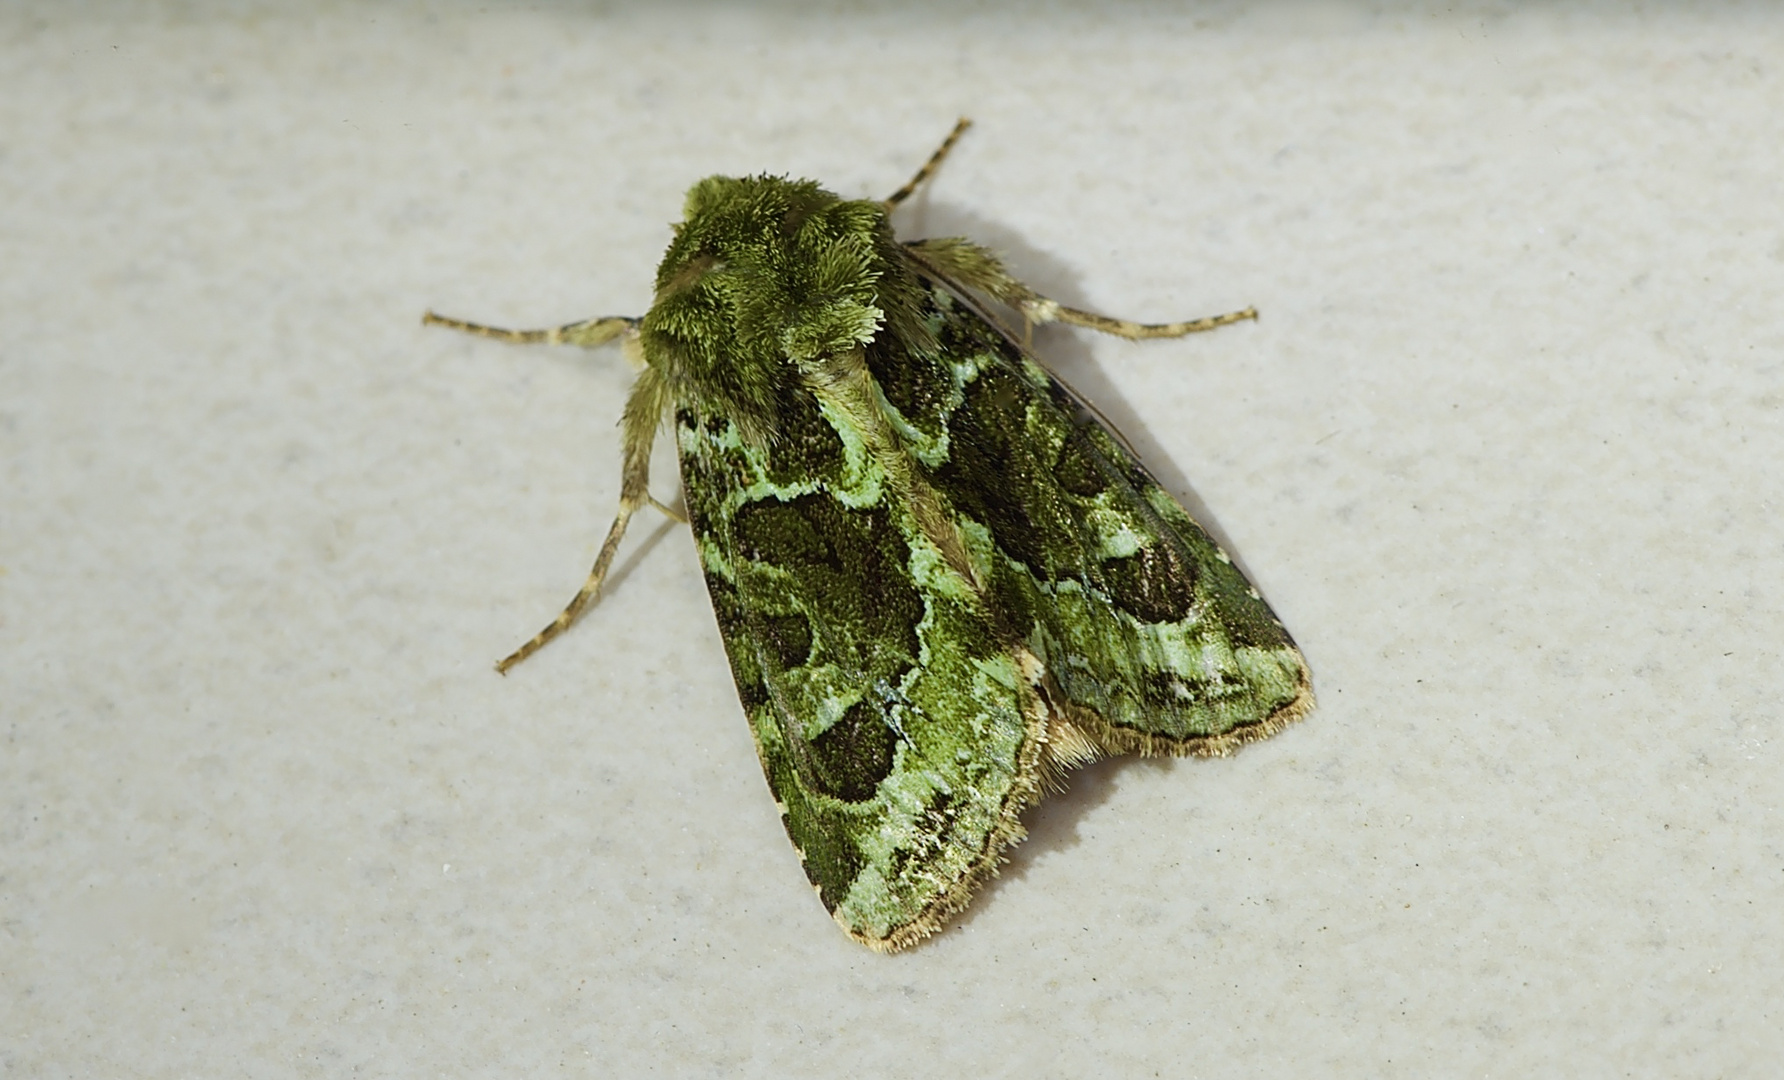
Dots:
pixel 967 265
pixel 929 166
pixel 1039 309
pixel 589 333
pixel 649 401
pixel 591 588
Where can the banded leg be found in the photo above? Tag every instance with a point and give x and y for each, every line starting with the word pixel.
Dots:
pixel 589 333
pixel 967 265
pixel 645 408
pixel 629 504
pixel 929 166
pixel 1038 309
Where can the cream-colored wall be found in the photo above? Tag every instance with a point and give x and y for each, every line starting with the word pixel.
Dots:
pixel 1503 451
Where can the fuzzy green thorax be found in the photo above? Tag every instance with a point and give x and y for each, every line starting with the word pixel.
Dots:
pixel 765 278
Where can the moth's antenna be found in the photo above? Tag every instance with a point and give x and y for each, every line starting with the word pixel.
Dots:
pixel 929 166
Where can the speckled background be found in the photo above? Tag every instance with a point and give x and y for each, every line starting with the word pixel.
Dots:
pixel 1502 452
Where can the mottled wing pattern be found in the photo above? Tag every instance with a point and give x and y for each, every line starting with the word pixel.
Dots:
pixel 902 716
pixel 1152 640
pixel 897 733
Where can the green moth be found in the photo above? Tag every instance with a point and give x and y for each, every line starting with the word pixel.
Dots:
pixel 942 581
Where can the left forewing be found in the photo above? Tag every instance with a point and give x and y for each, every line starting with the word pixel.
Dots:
pixel 898 733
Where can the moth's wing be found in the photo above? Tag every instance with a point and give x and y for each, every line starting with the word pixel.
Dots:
pixel 898 731
pixel 1152 640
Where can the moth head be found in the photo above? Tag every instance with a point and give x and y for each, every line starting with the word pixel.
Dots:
pixel 766 278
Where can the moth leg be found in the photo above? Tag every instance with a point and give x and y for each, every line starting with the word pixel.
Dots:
pixel 644 409
pixel 668 511
pixel 929 166
pixel 967 264
pixel 588 333
pixel 1036 309
pixel 585 596
pixel 649 400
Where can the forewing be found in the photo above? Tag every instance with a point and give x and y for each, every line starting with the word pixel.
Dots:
pixel 898 733
pixel 1151 638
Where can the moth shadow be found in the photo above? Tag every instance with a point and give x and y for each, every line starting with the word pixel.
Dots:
pixel 623 567
pixel 1066 351
pixel 1053 825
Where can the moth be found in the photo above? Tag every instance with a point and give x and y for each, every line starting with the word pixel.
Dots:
pixel 942 580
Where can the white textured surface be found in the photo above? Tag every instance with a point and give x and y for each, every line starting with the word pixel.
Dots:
pixel 1503 452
